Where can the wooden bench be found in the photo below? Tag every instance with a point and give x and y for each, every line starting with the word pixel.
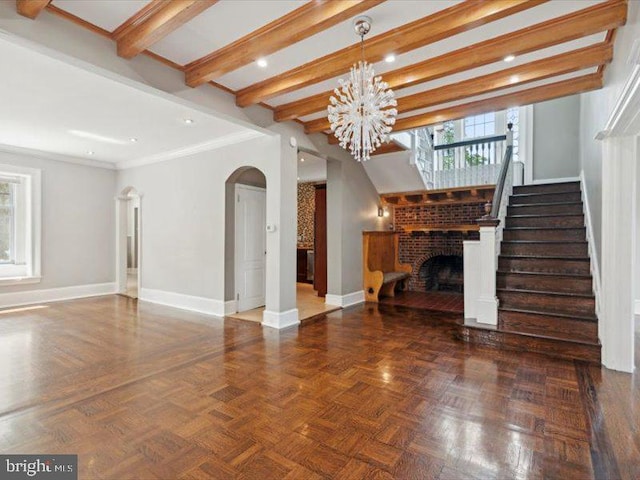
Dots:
pixel 382 271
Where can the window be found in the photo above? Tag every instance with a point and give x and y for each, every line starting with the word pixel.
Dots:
pixel 482 125
pixel 7 222
pixel 19 225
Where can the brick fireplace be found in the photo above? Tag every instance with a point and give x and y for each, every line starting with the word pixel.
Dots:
pixel 436 254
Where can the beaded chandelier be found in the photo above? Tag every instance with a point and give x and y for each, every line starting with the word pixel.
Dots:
pixel 360 113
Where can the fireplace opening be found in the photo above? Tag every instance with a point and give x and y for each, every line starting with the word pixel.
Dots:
pixel 443 273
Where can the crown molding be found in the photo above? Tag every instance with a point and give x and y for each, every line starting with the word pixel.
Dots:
pixel 624 119
pixel 230 139
pixel 58 157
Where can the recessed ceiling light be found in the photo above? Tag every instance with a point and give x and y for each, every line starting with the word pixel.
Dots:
pixel 390 58
pixel 514 79
pixel 188 121
pixel 90 152
pixel 262 62
pixel 509 58
pixel 133 140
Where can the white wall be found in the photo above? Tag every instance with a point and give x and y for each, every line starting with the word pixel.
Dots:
pixel 78 229
pixel 344 245
pixel 556 132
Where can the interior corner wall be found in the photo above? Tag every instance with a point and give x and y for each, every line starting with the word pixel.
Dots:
pixel 352 207
pixel 556 133
pixel 77 223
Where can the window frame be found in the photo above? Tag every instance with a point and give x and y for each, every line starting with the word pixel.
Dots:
pixel 26 267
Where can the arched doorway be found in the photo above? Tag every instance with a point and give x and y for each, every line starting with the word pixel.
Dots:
pixel 128 241
pixel 245 240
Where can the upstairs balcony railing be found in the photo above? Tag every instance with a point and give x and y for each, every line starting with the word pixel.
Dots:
pixel 469 162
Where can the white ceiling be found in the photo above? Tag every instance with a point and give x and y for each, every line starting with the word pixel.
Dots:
pixel 229 20
pixel 76 111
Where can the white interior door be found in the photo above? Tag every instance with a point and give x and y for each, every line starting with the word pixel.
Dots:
pixel 250 246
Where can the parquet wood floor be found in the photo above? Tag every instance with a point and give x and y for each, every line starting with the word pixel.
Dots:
pixel 141 391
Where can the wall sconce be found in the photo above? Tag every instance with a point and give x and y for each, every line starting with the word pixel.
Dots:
pixel 380 212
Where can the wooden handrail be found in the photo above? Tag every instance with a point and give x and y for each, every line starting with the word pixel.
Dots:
pixel 502 177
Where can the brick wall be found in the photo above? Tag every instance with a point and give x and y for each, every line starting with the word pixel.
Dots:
pixel 416 249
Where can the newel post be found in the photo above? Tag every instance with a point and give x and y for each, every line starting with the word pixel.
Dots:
pixel 487 302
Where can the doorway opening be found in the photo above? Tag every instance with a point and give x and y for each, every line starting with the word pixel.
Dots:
pixel 245 241
pixel 129 242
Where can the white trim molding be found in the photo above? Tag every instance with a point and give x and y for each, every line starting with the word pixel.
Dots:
pixel 344 301
pixel 207 306
pixel 230 307
pixel 280 320
pixel 637 307
pixel 59 157
pixel 29 297
pixel 591 244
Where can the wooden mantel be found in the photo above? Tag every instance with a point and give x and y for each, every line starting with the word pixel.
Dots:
pixel 463 228
pixel 447 196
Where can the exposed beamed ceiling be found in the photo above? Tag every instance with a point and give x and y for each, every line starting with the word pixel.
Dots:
pixel 448 54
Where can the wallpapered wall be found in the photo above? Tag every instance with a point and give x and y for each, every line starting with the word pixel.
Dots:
pixel 306 209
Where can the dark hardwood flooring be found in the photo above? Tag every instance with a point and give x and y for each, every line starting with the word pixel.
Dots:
pixel 146 392
pixel 451 302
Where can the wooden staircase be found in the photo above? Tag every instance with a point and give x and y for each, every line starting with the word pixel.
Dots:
pixel 544 282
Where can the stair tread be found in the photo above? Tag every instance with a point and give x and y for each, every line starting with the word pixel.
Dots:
pixel 533 194
pixel 548 313
pixel 545 292
pixel 545 228
pixel 548 204
pixel 545 215
pixel 547 274
pixel 559 242
pixel 544 257
pixel 549 337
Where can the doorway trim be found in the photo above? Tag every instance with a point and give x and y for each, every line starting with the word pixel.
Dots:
pixel 121 203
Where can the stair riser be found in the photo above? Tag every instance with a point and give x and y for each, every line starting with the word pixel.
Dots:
pixel 571 209
pixel 550 198
pixel 545 266
pixel 576 221
pixel 564 284
pixel 549 188
pixel 549 326
pixel 564 235
pixel 512 341
pixel 545 249
pixel 551 303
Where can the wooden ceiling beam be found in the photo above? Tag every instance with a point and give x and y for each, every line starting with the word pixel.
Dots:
pixel 588 21
pixel 592 56
pixel 543 93
pixel 573 86
pixel 31 8
pixel 313 17
pixel 443 24
pixel 154 22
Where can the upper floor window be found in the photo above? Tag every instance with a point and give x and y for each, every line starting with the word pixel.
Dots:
pixel 482 125
pixel 19 224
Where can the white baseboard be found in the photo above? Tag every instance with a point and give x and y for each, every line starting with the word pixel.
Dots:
pixel 208 306
pixel 345 301
pixel 544 181
pixel 637 309
pixel 595 265
pixel 28 297
pixel 280 319
pixel 230 307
